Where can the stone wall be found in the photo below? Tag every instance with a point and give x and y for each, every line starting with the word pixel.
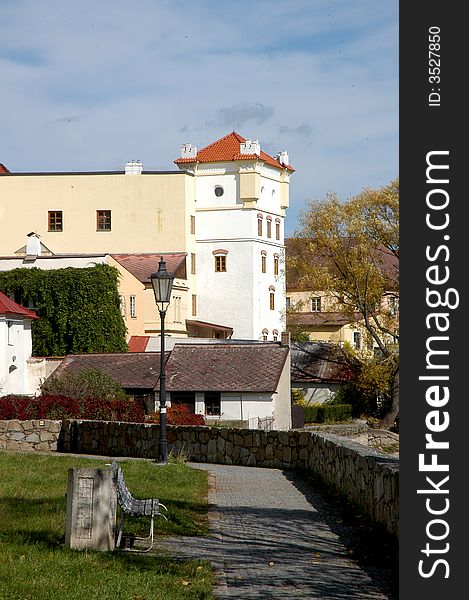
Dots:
pixel 366 476
pixel 30 436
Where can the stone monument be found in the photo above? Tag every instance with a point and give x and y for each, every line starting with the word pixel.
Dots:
pixel 91 509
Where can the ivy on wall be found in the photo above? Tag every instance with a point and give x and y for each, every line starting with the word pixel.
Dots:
pixel 79 309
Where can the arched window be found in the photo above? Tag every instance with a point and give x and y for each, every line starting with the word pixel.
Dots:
pixel 277 229
pixel 276 263
pixel 220 260
pixel 272 297
pixel 275 335
pixel 259 224
pixel 269 227
pixel 264 261
pixel 265 334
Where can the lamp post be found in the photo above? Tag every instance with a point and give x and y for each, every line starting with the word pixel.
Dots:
pixel 162 282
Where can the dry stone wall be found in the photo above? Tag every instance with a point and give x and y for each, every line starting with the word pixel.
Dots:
pixel 368 477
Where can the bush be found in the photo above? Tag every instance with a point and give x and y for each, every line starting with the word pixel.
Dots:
pixel 178 414
pixel 63 407
pixel 327 413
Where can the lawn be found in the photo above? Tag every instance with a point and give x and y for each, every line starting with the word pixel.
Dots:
pixel 34 564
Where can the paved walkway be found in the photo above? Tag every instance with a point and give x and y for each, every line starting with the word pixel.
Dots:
pixel 272 537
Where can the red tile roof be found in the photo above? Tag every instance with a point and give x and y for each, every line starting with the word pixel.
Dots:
pixel 227 148
pixel 142 266
pixel 3 169
pixel 138 343
pixel 9 307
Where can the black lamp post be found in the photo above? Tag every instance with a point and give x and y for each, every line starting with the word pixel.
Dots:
pixel 162 282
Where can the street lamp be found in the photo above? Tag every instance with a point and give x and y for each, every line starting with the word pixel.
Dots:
pixel 162 282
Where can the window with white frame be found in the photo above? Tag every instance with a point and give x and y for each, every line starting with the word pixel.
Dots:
pixel 316 304
pixel 133 307
pixel 357 340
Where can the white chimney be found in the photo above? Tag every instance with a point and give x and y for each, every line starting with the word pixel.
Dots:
pixel 133 167
pixel 33 244
pixel 250 147
pixel 188 151
pixel 282 158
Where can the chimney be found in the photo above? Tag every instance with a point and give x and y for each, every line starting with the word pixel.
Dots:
pixel 188 151
pixel 133 167
pixel 250 147
pixel 33 245
pixel 285 339
pixel 282 158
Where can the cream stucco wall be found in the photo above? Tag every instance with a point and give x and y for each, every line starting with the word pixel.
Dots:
pixel 150 212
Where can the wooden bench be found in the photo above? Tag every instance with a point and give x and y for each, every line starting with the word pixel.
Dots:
pixel 133 507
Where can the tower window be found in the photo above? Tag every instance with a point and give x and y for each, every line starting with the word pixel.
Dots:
pixel 220 264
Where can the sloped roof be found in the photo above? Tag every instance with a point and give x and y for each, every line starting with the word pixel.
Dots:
pixel 300 248
pixel 227 149
pixel 133 370
pixel 3 169
pixel 318 362
pixel 9 307
pixel 321 319
pixel 220 367
pixel 142 266
pixel 138 343
pixel 225 367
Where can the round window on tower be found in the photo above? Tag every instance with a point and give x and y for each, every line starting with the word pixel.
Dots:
pixel 219 191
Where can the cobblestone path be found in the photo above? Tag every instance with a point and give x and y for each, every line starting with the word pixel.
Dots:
pixel 270 538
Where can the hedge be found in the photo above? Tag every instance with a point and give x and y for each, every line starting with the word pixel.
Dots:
pixel 324 413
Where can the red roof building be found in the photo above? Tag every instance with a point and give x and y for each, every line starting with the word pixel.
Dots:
pixel 227 149
pixel 10 308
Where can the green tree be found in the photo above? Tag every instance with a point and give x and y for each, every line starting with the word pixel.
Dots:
pixel 79 309
pixel 351 250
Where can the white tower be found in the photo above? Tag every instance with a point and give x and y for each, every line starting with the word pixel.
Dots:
pixel 241 197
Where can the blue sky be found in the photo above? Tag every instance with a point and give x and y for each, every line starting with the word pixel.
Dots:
pixel 88 85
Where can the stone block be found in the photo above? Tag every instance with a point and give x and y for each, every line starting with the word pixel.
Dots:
pixel 91 509
pixel 33 438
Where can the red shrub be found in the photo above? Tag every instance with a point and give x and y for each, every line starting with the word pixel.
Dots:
pixel 178 414
pixel 62 407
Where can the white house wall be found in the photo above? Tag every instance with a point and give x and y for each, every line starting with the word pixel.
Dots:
pixel 15 349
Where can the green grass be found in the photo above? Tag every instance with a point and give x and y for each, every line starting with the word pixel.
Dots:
pixel 34 564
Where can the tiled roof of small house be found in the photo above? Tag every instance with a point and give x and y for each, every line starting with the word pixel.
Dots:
pixel 318 362
pixel 142 266
pixel 226 149
pixel 9 307
pixel 225 367
pixel 3 169
pixel 321 319
pixel 220 367
pixel 133 370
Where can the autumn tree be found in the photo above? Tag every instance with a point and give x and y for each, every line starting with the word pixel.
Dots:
pixel 350 250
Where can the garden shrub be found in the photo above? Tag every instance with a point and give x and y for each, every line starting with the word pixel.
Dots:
pixel 327 413
pixel 178 414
